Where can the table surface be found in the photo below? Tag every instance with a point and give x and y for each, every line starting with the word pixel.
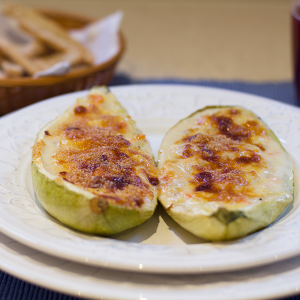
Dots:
pixel 223 40
pixel 193 39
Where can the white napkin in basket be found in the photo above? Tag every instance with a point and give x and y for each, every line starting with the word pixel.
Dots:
pixel 100 37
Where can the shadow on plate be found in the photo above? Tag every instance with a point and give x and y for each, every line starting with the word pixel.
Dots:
pixel 180 232
pixel 160 229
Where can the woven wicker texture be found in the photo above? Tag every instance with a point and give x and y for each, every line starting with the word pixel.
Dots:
pixel 17 93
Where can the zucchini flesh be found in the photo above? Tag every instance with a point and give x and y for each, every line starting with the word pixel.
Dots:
pixel 223 173
pixel 93 169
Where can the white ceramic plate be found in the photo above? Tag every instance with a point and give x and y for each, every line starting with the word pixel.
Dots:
pixel 159 245
pixel 267 282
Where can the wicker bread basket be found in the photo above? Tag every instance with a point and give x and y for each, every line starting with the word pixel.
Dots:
pixel 17 93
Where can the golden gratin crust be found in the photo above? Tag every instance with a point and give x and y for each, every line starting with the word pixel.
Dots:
pixel 94 154
pixel 225 157
pixel 223 173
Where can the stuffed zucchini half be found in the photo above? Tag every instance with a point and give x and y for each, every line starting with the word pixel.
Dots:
pixel 93 169
pixel 223 173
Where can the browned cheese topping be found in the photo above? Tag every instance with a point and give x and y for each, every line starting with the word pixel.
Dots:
pixel 95 155
pixel 227 161
pixel 37 149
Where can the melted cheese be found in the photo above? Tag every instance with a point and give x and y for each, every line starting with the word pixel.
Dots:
pixel 221 157
pixel 96 146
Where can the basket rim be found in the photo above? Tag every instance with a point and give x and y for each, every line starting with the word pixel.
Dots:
pixel 42 81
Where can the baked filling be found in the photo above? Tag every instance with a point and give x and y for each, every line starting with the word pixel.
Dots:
pixel 222 156
pixel 100 150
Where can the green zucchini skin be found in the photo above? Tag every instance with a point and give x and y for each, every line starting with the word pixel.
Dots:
pixel 74 209
pixel 213 219
pixel 81 208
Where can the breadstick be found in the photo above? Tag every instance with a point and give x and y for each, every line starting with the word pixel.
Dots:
pixel 11 51
pixel 48 61
pixel 11 69
pixel 46 30
pixel 34 48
